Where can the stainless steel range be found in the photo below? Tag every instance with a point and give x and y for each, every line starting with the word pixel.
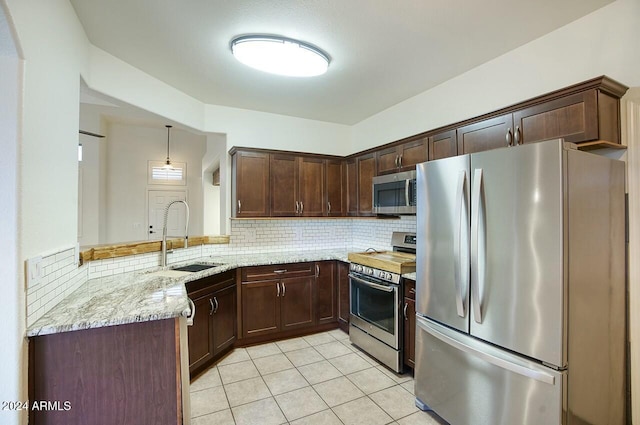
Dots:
pixel 376 289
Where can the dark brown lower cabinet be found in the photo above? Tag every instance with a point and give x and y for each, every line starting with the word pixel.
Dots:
pixel 273 306
pixel 409 312
pixel 126 375
pixel 326 292
pixel 285 299
pixel 260 308
pixel 296 302
pixel 343 296
pixel 214 324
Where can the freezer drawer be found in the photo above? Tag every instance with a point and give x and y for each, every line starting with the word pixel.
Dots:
pixel 469 382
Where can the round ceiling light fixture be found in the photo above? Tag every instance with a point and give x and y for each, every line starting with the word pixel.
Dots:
pixel 280 55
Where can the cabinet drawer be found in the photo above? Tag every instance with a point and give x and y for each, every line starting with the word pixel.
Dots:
pixel 277 271
pixel 205 285
pixel 410 289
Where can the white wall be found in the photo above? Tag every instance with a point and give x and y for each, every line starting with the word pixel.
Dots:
pixel 604 42
pixel 216 152
pixel 12 314
pixel 129 147
pixel 91 212
pixel 48 176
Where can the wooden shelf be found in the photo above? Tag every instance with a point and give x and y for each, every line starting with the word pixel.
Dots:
pixel 101 252
pixel 599 144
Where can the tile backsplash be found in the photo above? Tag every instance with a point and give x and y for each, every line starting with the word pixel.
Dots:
pixel 62 276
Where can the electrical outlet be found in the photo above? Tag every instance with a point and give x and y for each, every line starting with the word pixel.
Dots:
pixel 34 271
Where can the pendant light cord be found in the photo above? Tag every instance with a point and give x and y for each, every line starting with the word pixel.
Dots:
pixel 168 130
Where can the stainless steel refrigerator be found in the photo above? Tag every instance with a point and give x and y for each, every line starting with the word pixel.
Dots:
pixel 521 287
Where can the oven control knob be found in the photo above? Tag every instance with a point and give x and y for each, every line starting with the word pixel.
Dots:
pixel 369 271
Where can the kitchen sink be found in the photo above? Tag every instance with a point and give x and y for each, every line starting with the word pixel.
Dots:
pixel 195 267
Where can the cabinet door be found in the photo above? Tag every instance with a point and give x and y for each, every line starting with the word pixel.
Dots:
pixel 409 313
pixel 200 334
pixel 484 135
pixel 251 184
pixel 343 294
pixel 351 185
pixel 387 160
pixel 326 292
pixel 311 187
pixel 366 171
pixel 334 171
pixel 260 308
pixel 296 302
pixel 412 153
pixel 575 118
pixel 224 318
pixel 284 185
pixel 443 145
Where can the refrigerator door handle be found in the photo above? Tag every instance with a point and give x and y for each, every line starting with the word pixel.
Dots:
pixel 477 276
pixel 500 362
pixel 460 267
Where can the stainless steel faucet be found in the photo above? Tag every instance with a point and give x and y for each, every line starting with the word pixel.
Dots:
pixel 163 261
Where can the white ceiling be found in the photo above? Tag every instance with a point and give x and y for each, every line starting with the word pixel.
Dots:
pixel 382 51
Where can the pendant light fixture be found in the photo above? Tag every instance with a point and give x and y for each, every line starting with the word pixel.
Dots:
pixel 280 55
pixel 168 165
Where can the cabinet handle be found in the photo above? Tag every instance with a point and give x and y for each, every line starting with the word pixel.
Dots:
pixel 297 208
pixel 328 207
pixel 284 288
pixel 400 161
pixel 317 270
pixel 278 287
pixel 517 135
pixel 239 205
pixel 280 271
pixel 211 310
pixel 404 311
pixel 509 137
pixel 301 207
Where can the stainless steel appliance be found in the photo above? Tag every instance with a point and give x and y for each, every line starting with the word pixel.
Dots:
pixel 376 295
pixel 395 193
pixel 521 287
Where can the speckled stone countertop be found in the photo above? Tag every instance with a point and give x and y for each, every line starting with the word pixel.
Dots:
pixel 144 295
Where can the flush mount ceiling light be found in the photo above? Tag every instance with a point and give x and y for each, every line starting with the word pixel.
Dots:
pixel 279 55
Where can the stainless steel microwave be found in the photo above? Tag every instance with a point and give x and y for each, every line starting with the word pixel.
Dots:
pixel 395 194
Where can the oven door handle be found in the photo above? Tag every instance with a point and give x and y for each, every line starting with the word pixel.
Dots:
pixel 372 285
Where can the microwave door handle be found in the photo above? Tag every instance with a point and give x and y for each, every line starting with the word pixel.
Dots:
pixel 459 246
pixel 372 285
pixel 407 187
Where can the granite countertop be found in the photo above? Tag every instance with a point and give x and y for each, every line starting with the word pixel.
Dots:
pixel 145 295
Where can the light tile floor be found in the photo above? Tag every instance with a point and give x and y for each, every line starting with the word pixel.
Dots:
pixel 319 379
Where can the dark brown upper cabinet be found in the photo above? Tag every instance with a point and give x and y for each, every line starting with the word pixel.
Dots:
pixel 402 157
pixel 443 145
pixel 488 134
pixel 311 187
pixel 351 185
pixel 366 172
pixel 284 185
pixel 581 117
pixel 289 184
pixel 250 188
pixel 297 186
pixel 336 196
